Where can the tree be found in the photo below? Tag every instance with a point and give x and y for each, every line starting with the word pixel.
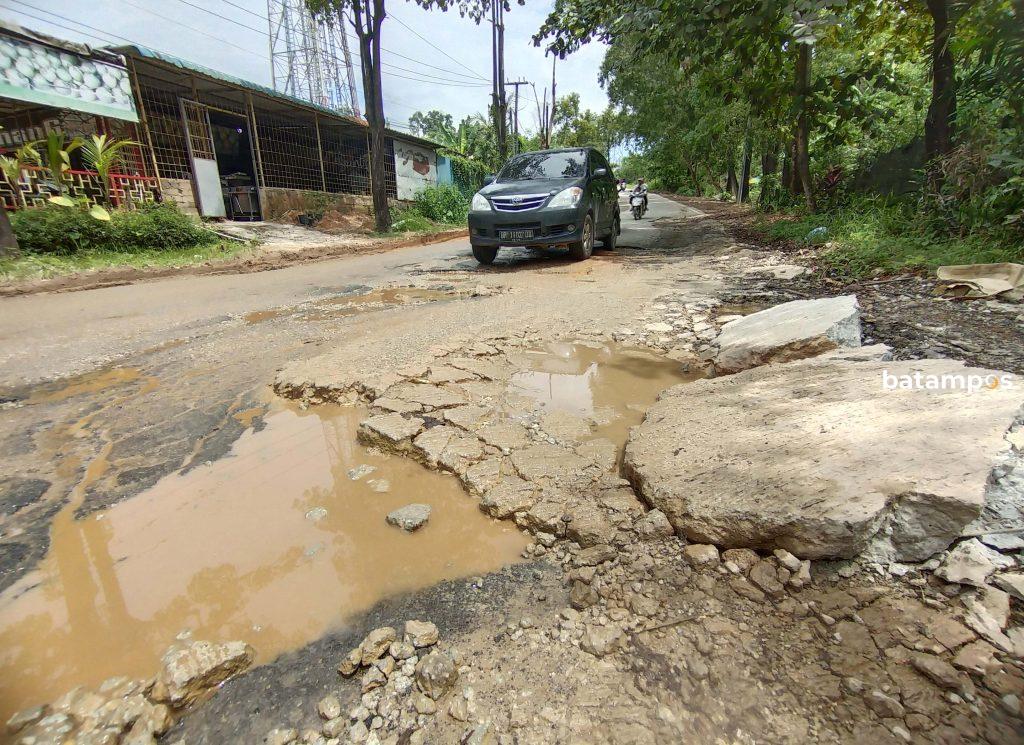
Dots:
pixel 367 18
pixel 433 124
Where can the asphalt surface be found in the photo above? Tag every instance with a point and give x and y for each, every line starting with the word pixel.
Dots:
pixel 54 335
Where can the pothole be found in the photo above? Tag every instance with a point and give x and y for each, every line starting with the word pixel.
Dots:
pixel 608 384
pixel 348 305
pixel 275 544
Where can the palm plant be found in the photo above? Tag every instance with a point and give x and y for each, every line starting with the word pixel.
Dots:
pixel 103 155
pixel 57 155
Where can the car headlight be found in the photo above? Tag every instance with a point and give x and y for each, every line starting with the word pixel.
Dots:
pixel 567 197
pixel 480 203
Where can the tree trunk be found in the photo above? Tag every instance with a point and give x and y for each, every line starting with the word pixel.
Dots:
pixel 8 241
pixel 744 185
pixel 790 182
pixel 695 178
pixel 369 57
pixel 769 167
pixel 731 184
pixel 802 162
pixel 938 124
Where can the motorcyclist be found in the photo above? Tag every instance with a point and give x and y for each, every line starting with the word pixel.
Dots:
pixel 641 189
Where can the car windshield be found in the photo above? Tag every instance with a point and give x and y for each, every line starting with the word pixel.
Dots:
pixel 571 164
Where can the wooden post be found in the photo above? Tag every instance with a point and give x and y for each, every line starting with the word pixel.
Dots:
pixel 320 152
pixel 256 142
pixel 143 120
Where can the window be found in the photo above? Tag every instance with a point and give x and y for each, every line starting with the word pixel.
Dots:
pixel 568 164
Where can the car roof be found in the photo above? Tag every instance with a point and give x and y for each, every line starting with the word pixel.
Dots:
pixel 559 150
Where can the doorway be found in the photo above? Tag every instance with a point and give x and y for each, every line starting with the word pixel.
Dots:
pixel 232 146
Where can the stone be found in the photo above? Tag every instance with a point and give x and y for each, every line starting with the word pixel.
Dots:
pixel 335 727
pixel 764 575
pixel 542 462
pixel 351 662
pixel 582 595
pixel 376 644
pixel 787 559
pixel 884 705
pixel 435 674
pixel 409 518
pixel 506 436
pixel 804 477
pixel 329 707
pixel 364 469
pixel 591 557
pixel 601 640
pixel 423 703
pixel 745 589
pixel 281 736
pixel 22 719
pixel 421 633
pixel 389 430
pixel 588 526
pixel 988 621
pixel 743 558
pixel 949 632
pixel 430 444
pixel 701 555
pixel 790 331
pixel 653 526
pixel 976 657
pixel 565 427
pixel 402 650
pixel 189 669
pixel 373 678
pixel 509 496
pixel 1012 582
pixel 545 516
pixel 428 396
pixel 967 564
pixel 938 671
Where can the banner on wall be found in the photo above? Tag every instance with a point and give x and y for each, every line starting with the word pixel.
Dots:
pixel 415 169
pixel 41 74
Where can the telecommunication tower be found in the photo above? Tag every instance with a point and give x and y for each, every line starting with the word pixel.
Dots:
pixel 310 58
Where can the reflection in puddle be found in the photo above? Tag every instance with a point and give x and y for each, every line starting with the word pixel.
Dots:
pixel 608 384
pixel 230 551
pixel 347 305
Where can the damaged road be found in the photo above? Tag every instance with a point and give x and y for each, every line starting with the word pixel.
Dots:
pixel 757 556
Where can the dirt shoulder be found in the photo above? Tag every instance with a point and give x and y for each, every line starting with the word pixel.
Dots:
pixel 259 259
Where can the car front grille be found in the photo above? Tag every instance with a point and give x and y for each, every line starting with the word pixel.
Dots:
pixel 518 202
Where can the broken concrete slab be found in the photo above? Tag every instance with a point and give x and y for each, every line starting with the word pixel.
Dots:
pixel 409 518
pixel 967 564
pixel 820 478
pixel 389 430
pixel 791 331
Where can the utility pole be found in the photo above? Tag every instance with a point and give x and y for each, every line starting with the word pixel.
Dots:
pixel 551 123
pixel 499 103
pixel 515 117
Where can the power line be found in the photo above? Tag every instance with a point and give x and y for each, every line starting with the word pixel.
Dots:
pixel 431 44
pixel 264 32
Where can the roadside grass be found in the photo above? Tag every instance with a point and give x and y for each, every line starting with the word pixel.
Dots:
pixel 877 238
pixel 410 220
pixel 31 265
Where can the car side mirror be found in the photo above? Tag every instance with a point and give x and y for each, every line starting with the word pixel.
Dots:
pixel 601 172
pixel 489 179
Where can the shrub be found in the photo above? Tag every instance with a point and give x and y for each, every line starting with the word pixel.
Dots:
pixel 443 203
pixel 53 229
pixel 409 219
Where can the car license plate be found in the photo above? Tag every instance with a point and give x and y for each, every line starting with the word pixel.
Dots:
pixel 511 235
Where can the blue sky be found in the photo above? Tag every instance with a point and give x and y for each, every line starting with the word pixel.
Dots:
pixel 214 33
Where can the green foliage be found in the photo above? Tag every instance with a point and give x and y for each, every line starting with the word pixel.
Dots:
pixel 444 203
pixel 874 234
pixel 317 203
pixel 60 230
pixel 467 174
pixel 473 139
pixel 582 128
pixel 104 155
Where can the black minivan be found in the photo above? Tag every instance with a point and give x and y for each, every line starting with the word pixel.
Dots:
pixel 564 197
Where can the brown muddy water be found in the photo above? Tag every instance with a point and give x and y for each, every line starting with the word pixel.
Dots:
pixel 274 544
pixel 611 385
pixel 348 305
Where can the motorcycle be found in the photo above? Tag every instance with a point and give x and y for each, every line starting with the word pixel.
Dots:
pixel 636 205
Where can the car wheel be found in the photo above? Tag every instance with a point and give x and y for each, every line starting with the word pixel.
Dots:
pixel 485 254
pixel 584 248
pixel 612 239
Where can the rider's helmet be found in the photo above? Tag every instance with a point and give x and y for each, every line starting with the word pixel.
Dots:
pixel 639 180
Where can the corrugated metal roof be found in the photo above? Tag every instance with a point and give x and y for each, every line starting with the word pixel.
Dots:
pixel 142 52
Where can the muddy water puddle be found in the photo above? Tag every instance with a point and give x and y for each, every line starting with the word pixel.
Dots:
pixel 610 385
pixel 274 544
pixel 348 305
